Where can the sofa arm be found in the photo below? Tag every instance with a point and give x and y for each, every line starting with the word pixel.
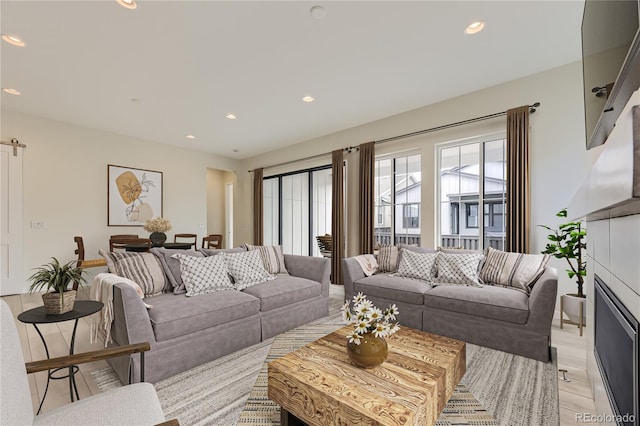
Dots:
pixel 309 267
pixel 351 272
pixel 542 301
pixel 131 323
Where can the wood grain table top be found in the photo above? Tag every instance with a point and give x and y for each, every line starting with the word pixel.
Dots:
pixel 320 386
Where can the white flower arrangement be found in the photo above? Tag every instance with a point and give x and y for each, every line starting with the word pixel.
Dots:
pixel 157 224
pixel 369 319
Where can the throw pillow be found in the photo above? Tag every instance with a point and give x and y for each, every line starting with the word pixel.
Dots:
pixel 272 258
pixel 458 268
pixel 171 266
pixel 387 258
pixel 246 268
pixel 141 268
pixel 417 265
pixel 213 252
pixel 516 270
pixel 203 275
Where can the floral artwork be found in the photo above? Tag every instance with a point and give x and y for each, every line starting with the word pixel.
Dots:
pixel 134 195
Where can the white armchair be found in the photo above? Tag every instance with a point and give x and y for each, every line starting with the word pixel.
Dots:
pixel 135 404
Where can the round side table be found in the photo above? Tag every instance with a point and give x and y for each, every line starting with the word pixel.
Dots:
pixel 35 316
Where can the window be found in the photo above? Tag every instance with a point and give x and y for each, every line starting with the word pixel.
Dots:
pixel 472 215
pixel 297 208
pixel 411 216
pixel 472 179
pixel 397 200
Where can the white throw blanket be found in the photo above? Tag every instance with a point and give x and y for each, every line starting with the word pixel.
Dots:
pixel 102 291
pixel 368 263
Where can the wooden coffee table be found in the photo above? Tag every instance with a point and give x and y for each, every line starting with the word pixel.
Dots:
pixel 319 385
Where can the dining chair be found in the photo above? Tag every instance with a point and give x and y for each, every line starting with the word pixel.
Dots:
pixel 213 241
pixel 120 240
pixel 192 238
pixel 85 263
pixel 324 244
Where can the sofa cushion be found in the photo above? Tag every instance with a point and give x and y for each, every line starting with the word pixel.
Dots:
pixel 385 286
pixel 272 258
pixel 213 252
pixel 387 258
pixel 284 290
pixel 142 268
pixel 246 268
pixel 458 269
pixel 512 269
pixel 203 275
pixel 176 315
pixel 498 303
pixel 171 266
pixel 417 265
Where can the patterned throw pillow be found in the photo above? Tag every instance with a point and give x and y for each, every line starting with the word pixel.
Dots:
pixel 417 265
pixel 387 259
pixel 516 270
pixel 142 268
pixel 246 268
pixel 272 258
pixel 458 268
pixel 203 275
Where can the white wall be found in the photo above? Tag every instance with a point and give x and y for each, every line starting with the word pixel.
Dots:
pixel 65 184
pixel 557 151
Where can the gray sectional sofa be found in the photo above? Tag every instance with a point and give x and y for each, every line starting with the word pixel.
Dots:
pixel 188 331
pixel 492 316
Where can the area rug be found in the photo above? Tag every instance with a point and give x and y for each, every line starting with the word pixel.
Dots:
pixel 498 388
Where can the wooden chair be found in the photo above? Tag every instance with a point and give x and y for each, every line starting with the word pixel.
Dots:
pixel 212 241
pixel 137 403
pixel 84 264
pixel 324 244
pixel 193 239
pixel 117 242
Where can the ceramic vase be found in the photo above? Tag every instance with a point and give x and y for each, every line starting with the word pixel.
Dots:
pixel 371 351
pixel 158 238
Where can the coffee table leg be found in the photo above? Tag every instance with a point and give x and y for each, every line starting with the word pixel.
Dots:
pixel 72 379
pixel 288 419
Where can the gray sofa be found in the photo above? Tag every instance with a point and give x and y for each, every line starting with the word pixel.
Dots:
pixel 501 318
pixel 188 331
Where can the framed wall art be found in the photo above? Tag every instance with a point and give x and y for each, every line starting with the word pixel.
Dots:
pixel 133 195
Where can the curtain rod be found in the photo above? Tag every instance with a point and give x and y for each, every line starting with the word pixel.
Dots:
pixel 532 109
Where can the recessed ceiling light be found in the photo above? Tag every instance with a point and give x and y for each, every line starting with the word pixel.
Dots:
pixel 235 150
pixel 129 4
pixel 13 40
pixel 136 100
pixel 474 27
pixel 318 12
pixel 190 136
pixel 231 116
pixel 308 99
pixel 11 91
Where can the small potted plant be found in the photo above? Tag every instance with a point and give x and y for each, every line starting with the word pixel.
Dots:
pixel 367 347
pixel 56 277
pixel 157 226
pixel 567 242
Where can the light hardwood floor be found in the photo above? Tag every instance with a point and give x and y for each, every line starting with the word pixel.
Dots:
pixel 575 396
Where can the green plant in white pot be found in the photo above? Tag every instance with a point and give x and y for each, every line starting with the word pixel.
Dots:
pixel 567 242
pixel 56 277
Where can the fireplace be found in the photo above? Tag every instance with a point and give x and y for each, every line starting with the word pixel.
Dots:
pixel 617 354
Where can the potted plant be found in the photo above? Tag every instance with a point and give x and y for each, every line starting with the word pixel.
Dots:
pixel 567 242
pixel 56 277
pixel 157 226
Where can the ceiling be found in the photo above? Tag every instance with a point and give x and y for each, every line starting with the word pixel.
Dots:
pixel 189 63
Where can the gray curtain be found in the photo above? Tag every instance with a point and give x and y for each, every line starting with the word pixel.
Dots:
pixel 258 208
pixel 518 221
pixel 337 216
pixel 366 194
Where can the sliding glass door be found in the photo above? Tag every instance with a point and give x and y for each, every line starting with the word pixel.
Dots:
pixel 297 208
